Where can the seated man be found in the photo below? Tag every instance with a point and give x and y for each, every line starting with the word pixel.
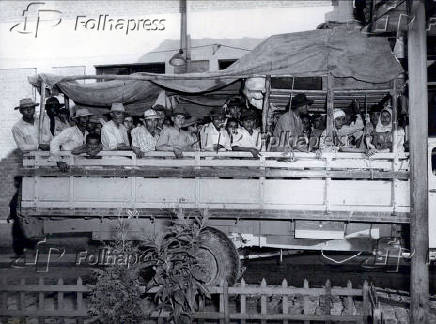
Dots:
pixel 338 141
pixel 248 138
pixel 144 137
pixel 213 136
pixel 113 133
pixel 26 130
pixel 173 139
pixel 291 121
pixel 71 137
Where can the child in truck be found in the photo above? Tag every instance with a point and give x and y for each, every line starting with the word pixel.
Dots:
pixel 248 138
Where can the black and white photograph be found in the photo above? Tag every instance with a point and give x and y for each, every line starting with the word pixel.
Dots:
pixel 217 161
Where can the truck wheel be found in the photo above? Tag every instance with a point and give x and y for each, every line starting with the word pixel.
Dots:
pixel 218 258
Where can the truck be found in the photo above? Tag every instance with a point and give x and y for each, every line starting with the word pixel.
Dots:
pixel 289 200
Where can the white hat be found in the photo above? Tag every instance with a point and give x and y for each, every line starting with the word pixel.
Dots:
pixel 151 114
pixel 338 113
pixel 117 106
pixel 82 112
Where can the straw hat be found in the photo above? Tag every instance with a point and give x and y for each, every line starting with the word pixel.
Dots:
pixel 151 114
pixel 82 112
pixel 117 106
pixel 26 102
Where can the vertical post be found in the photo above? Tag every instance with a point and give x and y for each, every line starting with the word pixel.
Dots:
pixel 285 301
pixel 184 39
pixel 418 119
pixel 41 112
pixel 263 303
pixel 365 307
pixel 330 107
pixel 306 300
pixel 22 301
pixel 226 302
pixel 41 302
pixel 265 112
pixel 80 308
pixel 222 306
pixel 243 302
pixel 60 300
pixel 328 299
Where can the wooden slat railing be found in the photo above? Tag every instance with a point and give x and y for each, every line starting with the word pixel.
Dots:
pixel 242 302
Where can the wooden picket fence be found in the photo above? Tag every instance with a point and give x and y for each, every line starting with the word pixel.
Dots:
pixel 237 304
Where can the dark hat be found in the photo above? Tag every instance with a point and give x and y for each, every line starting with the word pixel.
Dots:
pixel 52 101
pixel 180 111
pixel 217 112
pixel 26 102
pixel 249 114
pixel 300 100
pixel 235 101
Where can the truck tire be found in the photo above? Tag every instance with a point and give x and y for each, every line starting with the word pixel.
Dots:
pixel 218 258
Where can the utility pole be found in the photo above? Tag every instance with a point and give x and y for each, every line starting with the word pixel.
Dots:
pixel 418 119
pixel 184 38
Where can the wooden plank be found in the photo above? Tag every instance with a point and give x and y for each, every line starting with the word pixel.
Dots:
pixel 164 212
pixel 243 301
pixel 265 111
pixel 285 301
pixel 79 295
pixel 226 302
pixel 418 126
pixel 60 300
pixel 263 310
pixel 22 300
pixel 41 111
pixel 306 301
pixel 222 303
pixel 45 288
pixel 330 105
pixel 366 303
pixel 327 299
pixel 225 172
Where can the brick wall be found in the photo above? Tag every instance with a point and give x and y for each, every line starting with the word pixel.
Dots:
pixel 8 169
pixel 14 85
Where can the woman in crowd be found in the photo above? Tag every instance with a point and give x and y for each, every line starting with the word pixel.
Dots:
pixel 382 138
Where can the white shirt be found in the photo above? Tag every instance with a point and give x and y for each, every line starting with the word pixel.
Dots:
pixel 68 139
pixel 26 135
pixel 112 136
pixel 209 136
pixel 143 139
pixel 245 139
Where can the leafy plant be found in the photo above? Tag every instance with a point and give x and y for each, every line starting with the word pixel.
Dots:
pixel 177 270
pixel 172 257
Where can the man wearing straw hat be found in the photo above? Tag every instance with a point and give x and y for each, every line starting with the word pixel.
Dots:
pixel 26 130
pixel 71 137
pixel 173 138
pixel 114 133
pixel 144 137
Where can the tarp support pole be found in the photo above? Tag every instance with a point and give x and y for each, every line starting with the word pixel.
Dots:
pixel 41 112
pixel 418 112
pixel 330 106
pixel 265 112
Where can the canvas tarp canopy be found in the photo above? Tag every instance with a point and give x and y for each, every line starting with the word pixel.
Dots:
pixel 346 54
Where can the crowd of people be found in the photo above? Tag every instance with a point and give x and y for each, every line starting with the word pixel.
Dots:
pixel 233 127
